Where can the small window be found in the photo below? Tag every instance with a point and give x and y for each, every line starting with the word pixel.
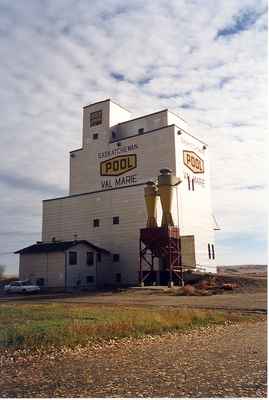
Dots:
pixel 209 251
pixel 113 134
pixel 118 277
pixel 40 281
pixel 96 118
pixel 192 183
pixel 213 251
pixel 116 220
pixel 90 258
pixel 140 131
pixel 116 257
pixel 90 279
pixel 99 257
pixel 72 258
pixel 96 223
pixel 189 183
pixel 95 136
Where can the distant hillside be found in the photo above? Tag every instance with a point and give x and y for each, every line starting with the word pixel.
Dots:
pixel 243 269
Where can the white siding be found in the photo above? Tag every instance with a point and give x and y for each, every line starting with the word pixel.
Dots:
pixel 162 147
pixel 49 266
pixel 117 114
pixel 195 215
pixel 76 275
pixel 153 151
pixel 148 123
pixel 178 121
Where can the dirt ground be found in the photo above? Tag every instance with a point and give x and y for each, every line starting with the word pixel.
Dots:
pixel 220 361
pixel 250 301
pixel 250 295
pixel 151 298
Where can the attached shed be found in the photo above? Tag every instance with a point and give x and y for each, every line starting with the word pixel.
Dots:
pixel 65 264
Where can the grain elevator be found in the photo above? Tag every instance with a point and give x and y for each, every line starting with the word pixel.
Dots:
pixel 111 175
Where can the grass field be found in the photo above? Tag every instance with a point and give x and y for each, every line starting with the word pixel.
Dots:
pixel 54 324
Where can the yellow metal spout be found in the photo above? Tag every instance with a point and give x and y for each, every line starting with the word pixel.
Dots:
pixel 166 181
pixel 150 192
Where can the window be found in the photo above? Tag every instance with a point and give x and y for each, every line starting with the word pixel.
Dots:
pixel 95 136
pixel 96 118
pixel 118 277
pixel 140 131
pixel 90 279
pixel 192 183
pixel 90 258
pixel 116 220
pixel 213 251
pixel 72 257
pixel 96 223
pixel 40 281
pixel 113 134
pixel 209 251
pixel 116 257
pixel 99 257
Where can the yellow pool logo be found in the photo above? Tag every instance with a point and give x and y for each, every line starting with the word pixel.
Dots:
pixel 193 162
pixel 118 165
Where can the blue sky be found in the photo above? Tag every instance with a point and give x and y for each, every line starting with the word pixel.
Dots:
pixel 204 60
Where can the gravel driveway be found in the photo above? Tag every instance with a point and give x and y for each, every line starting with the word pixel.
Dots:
pixel 221 361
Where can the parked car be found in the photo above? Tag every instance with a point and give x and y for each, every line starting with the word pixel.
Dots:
pixel 21 287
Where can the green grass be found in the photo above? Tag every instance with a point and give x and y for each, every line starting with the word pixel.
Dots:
pixel 45 325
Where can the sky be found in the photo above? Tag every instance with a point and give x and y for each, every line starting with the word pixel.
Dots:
pixel 205 60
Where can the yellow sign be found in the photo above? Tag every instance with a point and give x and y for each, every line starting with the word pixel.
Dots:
pixel 193 162
pixel 118 165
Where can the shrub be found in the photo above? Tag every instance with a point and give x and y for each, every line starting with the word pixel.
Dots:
pixel 187 290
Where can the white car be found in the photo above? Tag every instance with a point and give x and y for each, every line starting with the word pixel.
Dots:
pixel 21 287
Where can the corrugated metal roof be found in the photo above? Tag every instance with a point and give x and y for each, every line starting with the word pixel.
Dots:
pixel 48 247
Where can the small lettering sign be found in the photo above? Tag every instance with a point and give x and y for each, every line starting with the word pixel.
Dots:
pixel 117 166
pixel 116 151
pixel 117 182
pixel 193 162
pixel 197 179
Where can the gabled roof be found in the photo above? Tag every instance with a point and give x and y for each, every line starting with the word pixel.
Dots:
pixel 49 247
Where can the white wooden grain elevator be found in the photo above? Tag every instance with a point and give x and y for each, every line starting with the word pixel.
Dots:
pixel 103 213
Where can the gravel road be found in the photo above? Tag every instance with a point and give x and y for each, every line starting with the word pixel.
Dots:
pixel 221 361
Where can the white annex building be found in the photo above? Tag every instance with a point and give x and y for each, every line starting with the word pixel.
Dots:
pixel 91 236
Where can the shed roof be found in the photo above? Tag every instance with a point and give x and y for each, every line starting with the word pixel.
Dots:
pixel 48 247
